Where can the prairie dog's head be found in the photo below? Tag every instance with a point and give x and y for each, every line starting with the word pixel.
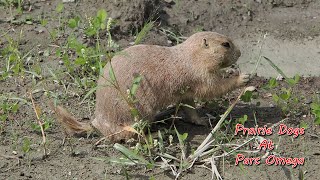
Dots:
pixel 212 51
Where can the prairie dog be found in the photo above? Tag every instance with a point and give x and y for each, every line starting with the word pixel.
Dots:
pixel 193 66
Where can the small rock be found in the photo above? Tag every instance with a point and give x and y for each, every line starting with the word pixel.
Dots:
pixel 271 105
pixel 46 53
pixel 14 152
pixel 169 42
pixel 168 1
pixel 131 43
pixel 279 78
pixel 268 95
pixel 308 101
pixel 250 88
pixel 304 116
pixel 61 62
pixel 40 53
pixel 39 29
pixel 310 38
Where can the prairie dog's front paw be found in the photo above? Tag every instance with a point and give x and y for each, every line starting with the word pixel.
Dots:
pixel 243 79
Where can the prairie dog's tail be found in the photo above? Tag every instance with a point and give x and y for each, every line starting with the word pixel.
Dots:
pixel 71 125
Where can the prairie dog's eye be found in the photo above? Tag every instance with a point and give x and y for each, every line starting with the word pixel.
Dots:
pixel 205 44
pixel 226 44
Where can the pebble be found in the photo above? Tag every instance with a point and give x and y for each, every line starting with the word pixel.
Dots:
pixel 40 53
pixel 308 101
pixel 39 29
pixel 279 78
pixel 268 95
pixel 61 62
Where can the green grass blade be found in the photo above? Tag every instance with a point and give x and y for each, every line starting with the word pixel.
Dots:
pixel 130 154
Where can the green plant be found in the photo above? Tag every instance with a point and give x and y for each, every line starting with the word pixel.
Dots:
pixel 144 31
pixel 47 124
pixel 26 145
pixel 97 23
pixel 287 98
pixel 13 3
pixel 9 106
pixel 315 109
pixel 14 59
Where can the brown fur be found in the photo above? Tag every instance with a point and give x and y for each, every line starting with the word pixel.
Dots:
pixel 193 65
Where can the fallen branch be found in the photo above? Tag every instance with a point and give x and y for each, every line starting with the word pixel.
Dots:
pixel 40 124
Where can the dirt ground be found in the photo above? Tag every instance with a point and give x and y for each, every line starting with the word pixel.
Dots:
pixel 292 42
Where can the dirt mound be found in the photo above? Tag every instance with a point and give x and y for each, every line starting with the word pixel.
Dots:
pixel 131 15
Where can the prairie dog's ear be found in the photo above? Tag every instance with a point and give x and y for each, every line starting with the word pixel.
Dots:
pixel 205 43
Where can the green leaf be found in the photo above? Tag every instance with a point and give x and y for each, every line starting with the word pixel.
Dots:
pixel 29 22
pixel 273 83
pixel 92 90
pixel 26 145
pixel 59 7
pixel 135 85
pixel 44 22
pixel 303 125
pixel 72 23
pixel 134 112
pixel 102 26
pixel 315 106
pixel 290 81
pixel 284 96
pixel 3 117
pixel 247 96
pixel 15 108
pixel 80 61
pixel 111 74
pixel 297 78
pixel 275 98
pixel 317 120
pixel 122 161
pixel 144 31
pixel 102 15
pixel 130 154
pixel 243 119
pixel 181 137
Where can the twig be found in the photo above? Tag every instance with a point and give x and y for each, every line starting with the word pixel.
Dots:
pixel 259 59
pixel 40 124
pixel 214 169
pixel 9 157
pixel 204 145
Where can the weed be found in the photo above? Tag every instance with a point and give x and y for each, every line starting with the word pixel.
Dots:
pixel 287 98
pixel 12 3
pixel 144 31
pixel 175 37
pixel 7 109
pixel 46 125
pixel 315 109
